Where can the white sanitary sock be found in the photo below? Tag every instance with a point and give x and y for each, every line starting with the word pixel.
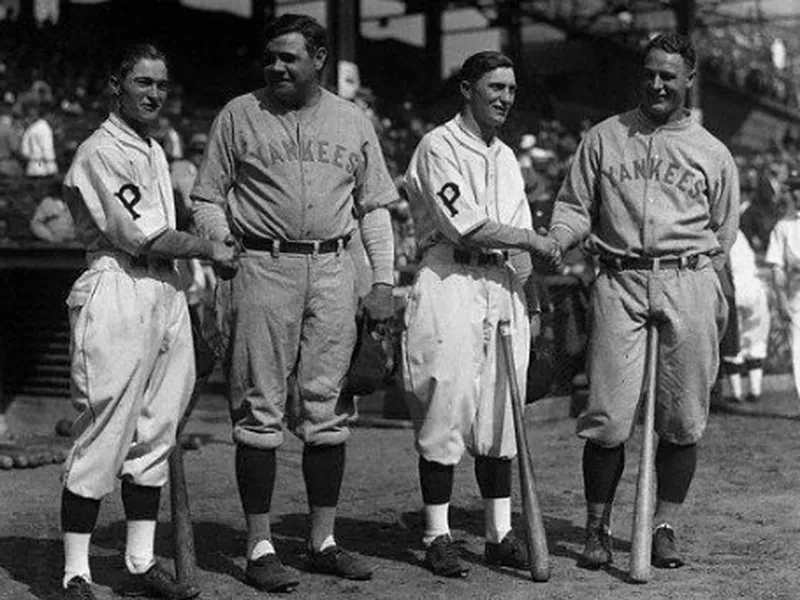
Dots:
pixel 497 516
pixel 76 556
pixel 139 553
pixel 436 521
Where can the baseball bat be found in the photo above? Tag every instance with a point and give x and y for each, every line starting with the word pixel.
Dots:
pixel 534 524
pixel 643 509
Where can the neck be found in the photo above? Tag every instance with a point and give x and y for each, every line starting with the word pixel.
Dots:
pixel 310 99
pixel 143 129
pixel 487 134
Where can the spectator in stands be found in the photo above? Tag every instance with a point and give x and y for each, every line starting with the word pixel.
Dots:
pixel 52 221
pixel 783 254
pixel 38 145
pixel 10 165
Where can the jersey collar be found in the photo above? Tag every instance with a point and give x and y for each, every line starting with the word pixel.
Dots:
pixel 125 133
pixel 468 137
pixel 677 125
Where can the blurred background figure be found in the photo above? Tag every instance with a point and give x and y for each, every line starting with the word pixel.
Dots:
pixel 169 138
pixel 752 319
pixel 38 144
pixel 783 254
pixel 52 222
pixel 10 165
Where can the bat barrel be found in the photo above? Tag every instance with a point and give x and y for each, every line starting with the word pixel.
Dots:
pixel 534 525
pixel 641 537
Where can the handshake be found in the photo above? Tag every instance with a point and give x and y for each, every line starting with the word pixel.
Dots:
pixel 547 247
pixel 225 256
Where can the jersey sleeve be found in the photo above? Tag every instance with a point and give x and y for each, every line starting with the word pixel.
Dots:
pixel 215 177
pixel 724 221
pixel 128 214
pixel 434 175
pixel 374 186
pixel 571 219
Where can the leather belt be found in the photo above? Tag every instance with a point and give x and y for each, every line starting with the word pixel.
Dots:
pixel 480 259
pixel 149 262
pixel 296 247
pixel 646 263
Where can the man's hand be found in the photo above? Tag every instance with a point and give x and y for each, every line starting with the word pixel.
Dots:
pixel 547 247
pixel 225 257
pixel 379 303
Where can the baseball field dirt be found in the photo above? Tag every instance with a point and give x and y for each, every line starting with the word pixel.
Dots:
pixel 740 532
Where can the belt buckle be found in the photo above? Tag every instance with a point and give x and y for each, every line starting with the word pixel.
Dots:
pixel 276 248
pixel 315 250
pixel 656 263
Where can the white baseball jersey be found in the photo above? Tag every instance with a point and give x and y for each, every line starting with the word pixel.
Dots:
pixel 119 189
pixel 132 358
pixel 459 183
pixel 451 347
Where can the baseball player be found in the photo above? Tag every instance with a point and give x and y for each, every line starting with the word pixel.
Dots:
pixel 475 213
pixel 291 171
pixel 132 363
pixel 658 197
pixel 783 254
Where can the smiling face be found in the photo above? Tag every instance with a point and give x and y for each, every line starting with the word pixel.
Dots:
pixel 291 73
pixel 666 79
pixel 142 92
pixel 490 98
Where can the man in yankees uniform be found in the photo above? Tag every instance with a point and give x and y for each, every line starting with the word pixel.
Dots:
pixel 291 171
pixel 658 197
pixel 476 213
pixel 132 356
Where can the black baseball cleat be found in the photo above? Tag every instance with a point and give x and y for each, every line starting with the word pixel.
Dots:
pixel 335 561
pixel 597 548
pixel 664 553
pixel 442 558
pixel 510 552
pixel 268 574
pixel 78 589
pixel 156 582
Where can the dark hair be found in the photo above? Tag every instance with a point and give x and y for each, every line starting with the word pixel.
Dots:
pixel 478 64
pixel 315 34
pixel 674 43
pixel 132 54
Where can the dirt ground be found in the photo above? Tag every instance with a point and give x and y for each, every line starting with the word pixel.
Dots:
pixel 739 535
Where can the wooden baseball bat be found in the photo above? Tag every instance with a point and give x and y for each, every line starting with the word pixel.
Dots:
pixel 182 533
pixel 641 536
pixel 534 524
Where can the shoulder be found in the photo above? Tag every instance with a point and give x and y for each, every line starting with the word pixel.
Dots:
pixel 439 138
pixel 332 106
pixel 100 144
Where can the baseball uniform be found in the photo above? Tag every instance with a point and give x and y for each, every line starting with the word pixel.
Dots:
pixel 291 185
pixel 659 205
pixel 132 362
pixel 452 357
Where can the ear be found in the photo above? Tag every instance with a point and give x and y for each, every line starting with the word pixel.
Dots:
pixel 115 84
pixel 320 56
pixel 466 89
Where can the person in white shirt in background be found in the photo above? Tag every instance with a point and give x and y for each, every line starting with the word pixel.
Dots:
pixel 38 146
pixel 753 319
pixel 783 254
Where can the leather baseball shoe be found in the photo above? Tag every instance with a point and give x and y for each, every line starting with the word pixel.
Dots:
pixel 597 548
pixel 268 574
pixel 335 561
pixel 442 558
pixel 78 589
pixel 664 553
pixel 510 552
pixel 156 582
